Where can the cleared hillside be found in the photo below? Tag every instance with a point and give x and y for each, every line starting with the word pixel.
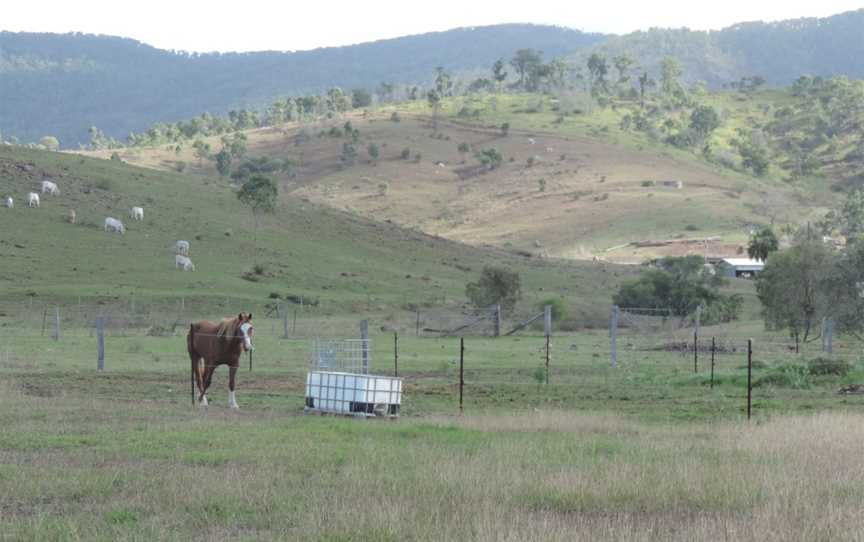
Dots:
pixel 304 249
pixel 571 189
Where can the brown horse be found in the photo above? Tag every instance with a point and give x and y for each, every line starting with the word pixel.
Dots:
pixel 218 343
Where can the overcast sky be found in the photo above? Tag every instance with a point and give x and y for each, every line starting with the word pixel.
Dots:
pixel 255 25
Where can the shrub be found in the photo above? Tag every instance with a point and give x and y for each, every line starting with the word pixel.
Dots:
pixel 541 185
pixel 258 269
pixel 787 375
pixel 394 117
pixel 559 309
pixel 104 184
pixel 495 285
pixel 828 366
pixel 418 157
pixel 463 147
pixel 406 153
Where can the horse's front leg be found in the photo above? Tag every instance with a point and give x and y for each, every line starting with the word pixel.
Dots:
pixel 232 400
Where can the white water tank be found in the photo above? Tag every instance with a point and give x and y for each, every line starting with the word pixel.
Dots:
pixel 353 394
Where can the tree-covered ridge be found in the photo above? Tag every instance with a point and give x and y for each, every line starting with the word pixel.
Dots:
pixel 779 52
pixel 62 84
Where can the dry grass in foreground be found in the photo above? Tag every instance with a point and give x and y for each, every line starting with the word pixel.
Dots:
pixel 73 468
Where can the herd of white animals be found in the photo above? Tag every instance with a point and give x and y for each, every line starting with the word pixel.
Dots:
pixel 181 258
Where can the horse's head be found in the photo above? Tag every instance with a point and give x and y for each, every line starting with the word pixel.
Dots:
pixel 244 321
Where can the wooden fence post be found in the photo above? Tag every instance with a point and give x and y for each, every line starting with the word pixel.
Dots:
pixel 395 353
pixel 100 342
pixel 417 325
pixel 44 318
pixel 284 322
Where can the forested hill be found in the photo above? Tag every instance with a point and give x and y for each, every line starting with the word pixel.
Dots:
pixel 61 84
pixel 778 52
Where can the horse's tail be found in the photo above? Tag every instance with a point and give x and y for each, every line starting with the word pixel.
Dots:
pixel 195 359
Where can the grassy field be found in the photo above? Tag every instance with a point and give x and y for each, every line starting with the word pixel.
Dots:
pixel 350 264
pixel 646 451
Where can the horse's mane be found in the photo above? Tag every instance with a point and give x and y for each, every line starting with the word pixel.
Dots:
pixel 226 330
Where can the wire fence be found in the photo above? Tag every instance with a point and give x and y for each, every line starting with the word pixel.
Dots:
pixel 65 340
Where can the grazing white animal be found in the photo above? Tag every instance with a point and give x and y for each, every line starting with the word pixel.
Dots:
pixel 137 213
pixel 184 262
pixel 531 140
pixel 50 188
pixel 9 202
pixel 183 247
pixel 112 224
pixel 32 199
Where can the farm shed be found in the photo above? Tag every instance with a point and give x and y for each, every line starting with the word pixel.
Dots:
pixel 742 267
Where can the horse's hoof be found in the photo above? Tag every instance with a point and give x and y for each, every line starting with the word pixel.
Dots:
pixel 203 402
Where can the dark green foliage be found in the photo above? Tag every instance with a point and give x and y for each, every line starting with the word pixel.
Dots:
pixel 828 366
pixel 843 286
pixel 679 284
pixel 762 244
pixel 373 151
pixel 496 285
pixel 786 375
pixel 704 120
pixel 394 117
pixel 349 153
pixel 223 162
pixel 754 154
pixel 789 287
pixel 405 154
pixel 259 193
pixel 505 129
pixel 360 97
pixel 559 308
pixel 490 158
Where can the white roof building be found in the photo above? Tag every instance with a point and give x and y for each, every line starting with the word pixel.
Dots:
pixel 743 267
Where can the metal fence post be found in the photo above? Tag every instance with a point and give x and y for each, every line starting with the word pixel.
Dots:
pixel 395 353
pixel 56 323
pixel 498 320
pixel 284 321
pixel 100 342
pixel 713 349
pixel 364 346
pixel 461 370
pixel 613 333
pixel 749 375
pixel 547 331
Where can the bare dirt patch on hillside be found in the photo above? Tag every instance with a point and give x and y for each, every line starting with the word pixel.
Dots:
pixel 556 196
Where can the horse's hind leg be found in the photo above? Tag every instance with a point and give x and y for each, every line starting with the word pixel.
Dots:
pixel 232 400
pixel 208 378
